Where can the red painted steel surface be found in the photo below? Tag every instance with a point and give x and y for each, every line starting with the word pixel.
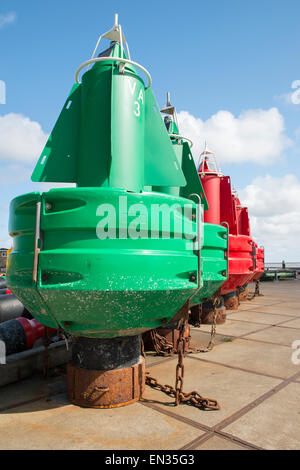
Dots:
pixel 240 265
pixel 33 330
pixel 260 264
pixel 225 208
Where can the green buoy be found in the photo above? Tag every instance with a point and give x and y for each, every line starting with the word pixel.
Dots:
pixel 116 255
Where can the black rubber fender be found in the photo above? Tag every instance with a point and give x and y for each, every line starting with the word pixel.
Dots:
pixel 11 307
pixel 13 335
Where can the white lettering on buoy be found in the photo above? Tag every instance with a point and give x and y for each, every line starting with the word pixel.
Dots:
pixel 141 96
pixel 137 110
pixel 132 86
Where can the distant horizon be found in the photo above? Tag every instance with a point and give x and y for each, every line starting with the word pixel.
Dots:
pixel 232 72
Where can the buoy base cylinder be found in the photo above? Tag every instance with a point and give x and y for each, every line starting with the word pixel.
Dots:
pixel 170 333
pixel 231 301
pixel 207 316
pixel 243 294
pixel 106 373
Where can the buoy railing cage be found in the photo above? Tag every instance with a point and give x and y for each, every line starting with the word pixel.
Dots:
pixel 208 157
pixel 182 137
pixel 115 34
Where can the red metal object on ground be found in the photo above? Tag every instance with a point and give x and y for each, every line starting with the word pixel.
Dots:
pixel 20 334
pixel 33 330
pixel 226 209
pixel 260 264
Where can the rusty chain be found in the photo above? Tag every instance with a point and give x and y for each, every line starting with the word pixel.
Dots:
pixel 257 288
pixel 193 398
pixel 238 295
pixel 163 347
pixel 256 291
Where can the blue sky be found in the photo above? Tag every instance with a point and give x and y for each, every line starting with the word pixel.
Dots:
pixel 234 56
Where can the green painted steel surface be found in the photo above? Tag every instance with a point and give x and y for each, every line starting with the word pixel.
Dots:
pixel 214 243
pixel 96 276
pixel 214 262
pixel 110 133
pixel 101 287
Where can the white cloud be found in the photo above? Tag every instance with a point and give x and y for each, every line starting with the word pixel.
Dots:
pixel 14 173
pixel 274 209
pixel 21 140
pixel 285 98
pixel 297 132
pixel 9 18
pixel 290 98
pixel 256 135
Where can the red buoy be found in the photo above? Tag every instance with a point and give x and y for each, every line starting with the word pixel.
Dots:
pixel 260 264
pixel 225 209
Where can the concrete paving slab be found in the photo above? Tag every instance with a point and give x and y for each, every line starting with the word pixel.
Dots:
pixel 57 424
pixel 274 424
pixel 234 328
pixel 258 317
pixel 242 306
pixel 281 308
pixel 271 299
pixel 261 357
pixel 232 388
pixel 201 337
pixel 295 306
pixel 152 358
pixel 218 443
pixel 278 335
pixel 293 323
pixel 264 300
pixel 28 421
pixel 27 390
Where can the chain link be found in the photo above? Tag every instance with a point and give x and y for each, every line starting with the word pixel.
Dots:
pixel 256 291
pixel 162 346
pixel 193 398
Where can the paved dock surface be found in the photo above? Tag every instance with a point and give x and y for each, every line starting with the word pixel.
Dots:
pixel 250 372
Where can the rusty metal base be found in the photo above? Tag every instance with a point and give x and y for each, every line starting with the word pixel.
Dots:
pixel 243 296
pixel 170 334
pixel 231 303
pixel 207 317
pixel 106 389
